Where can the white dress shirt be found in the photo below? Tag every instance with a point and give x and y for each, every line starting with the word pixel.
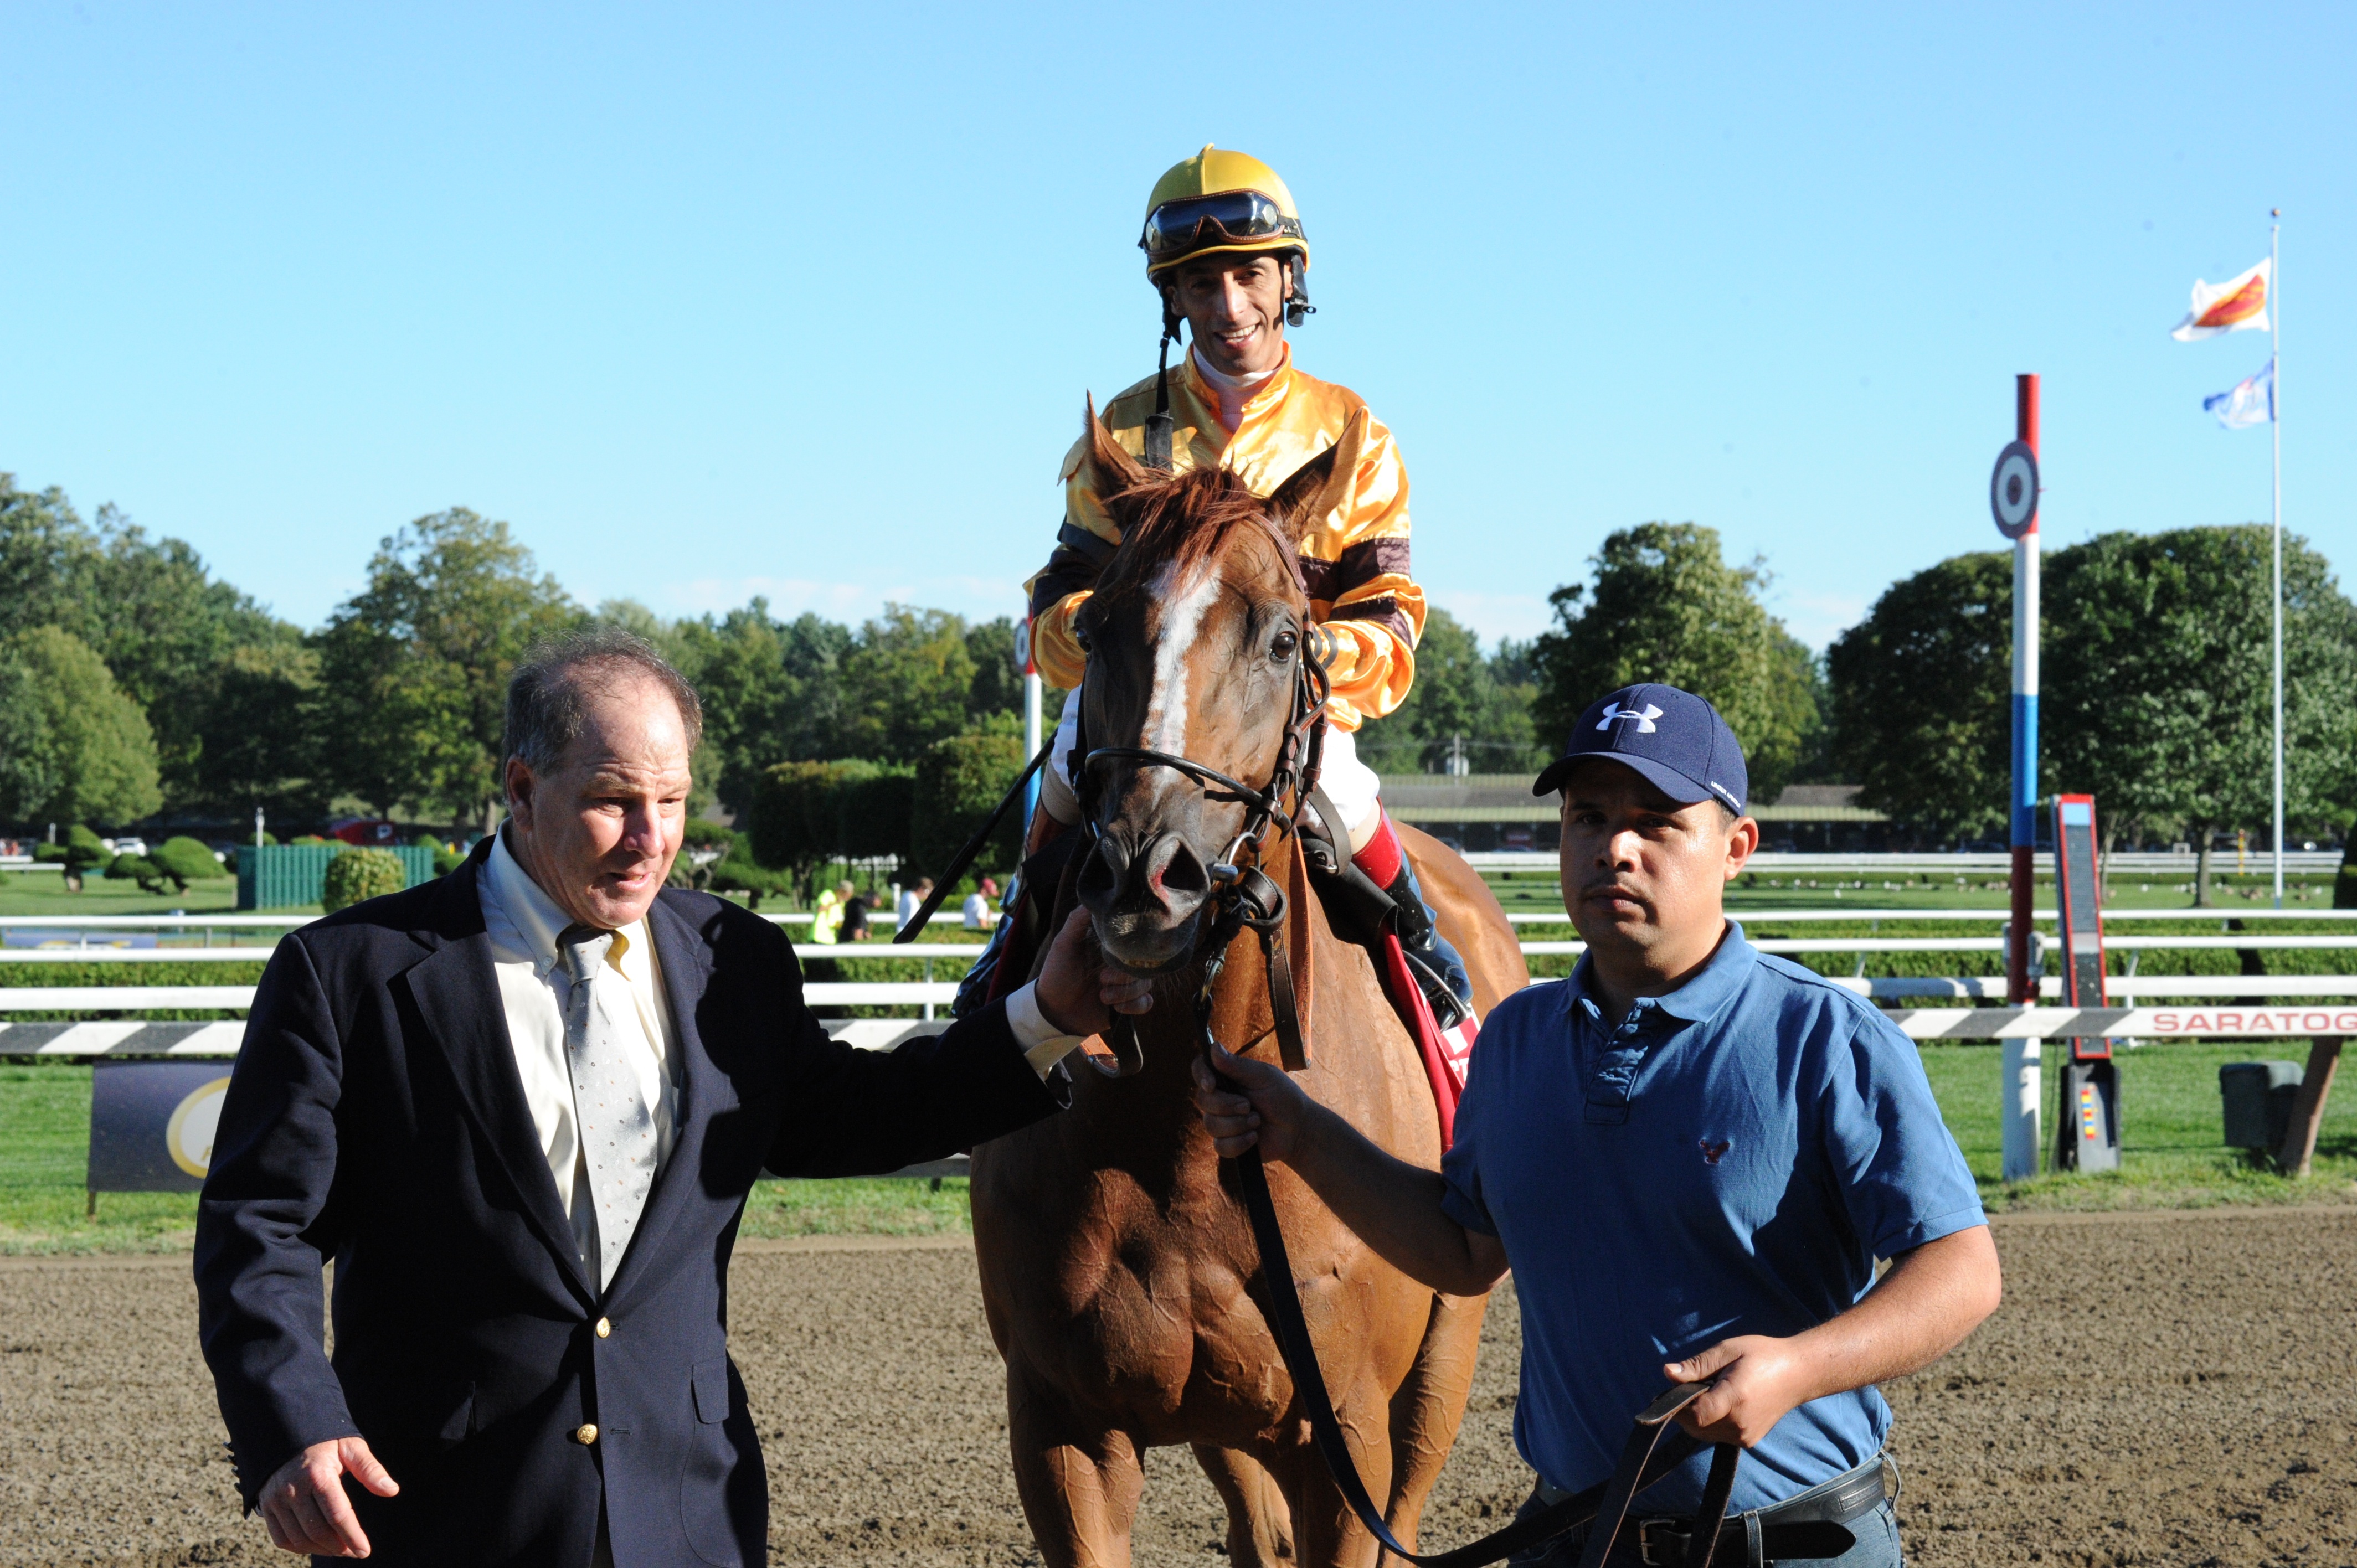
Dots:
pixel 524 924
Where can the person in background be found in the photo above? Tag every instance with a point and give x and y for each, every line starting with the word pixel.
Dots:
pixel 912 900
pixel 826 917
pixel 979 915
pixel 855 918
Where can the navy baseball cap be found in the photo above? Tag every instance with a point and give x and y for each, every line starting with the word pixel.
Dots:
pixel 1674 739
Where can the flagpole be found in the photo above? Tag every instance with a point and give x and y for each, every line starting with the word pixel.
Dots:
pixel 2275 425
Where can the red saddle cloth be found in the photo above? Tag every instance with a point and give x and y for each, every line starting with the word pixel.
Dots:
pixel 1447 1053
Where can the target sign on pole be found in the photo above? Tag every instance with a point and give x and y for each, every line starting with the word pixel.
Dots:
pixel 2013 490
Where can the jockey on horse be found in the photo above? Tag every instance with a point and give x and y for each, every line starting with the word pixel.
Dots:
pixel 1225 250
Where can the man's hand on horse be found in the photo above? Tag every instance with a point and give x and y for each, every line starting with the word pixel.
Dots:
pixel 1755 1381
pixel 1249 1102
pixel 1079 991
pixel 303 1503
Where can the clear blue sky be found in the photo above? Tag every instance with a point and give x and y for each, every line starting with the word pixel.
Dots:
pixel 803 300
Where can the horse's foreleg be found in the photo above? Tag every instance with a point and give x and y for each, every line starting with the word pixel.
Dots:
pixel 1429 1406
pixel 1259 1522
pixel 1325 1533
pixel 1078 1477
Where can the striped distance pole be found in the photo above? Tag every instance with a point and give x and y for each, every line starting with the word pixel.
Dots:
pixel 2017 516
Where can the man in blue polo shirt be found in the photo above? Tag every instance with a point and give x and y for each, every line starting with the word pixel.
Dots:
pixel 1690 1154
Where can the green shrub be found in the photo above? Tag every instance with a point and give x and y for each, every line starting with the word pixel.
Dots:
pixel 307 838
pixel 47 853
pixel 185 860
pixel 446 860
pixel 139 868
pixel 738 874
pixel 703 833
pixel 958 783
pixel 83 850
pixel 360 874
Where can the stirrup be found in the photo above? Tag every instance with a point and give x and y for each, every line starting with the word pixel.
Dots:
pixel 1438 966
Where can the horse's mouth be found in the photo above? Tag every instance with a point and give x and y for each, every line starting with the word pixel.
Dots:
pixel 1146 941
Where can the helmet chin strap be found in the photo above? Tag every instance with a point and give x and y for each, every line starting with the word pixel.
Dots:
pixel 1157 424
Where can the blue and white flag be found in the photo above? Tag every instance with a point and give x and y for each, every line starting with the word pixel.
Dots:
pixel 2250 402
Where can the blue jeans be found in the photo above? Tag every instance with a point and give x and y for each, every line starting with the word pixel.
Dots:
pixel 1876 1546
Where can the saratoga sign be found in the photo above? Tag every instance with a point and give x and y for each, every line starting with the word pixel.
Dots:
pixel 2063 1023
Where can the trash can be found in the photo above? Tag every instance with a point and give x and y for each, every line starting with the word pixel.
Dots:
pixel 2258 1097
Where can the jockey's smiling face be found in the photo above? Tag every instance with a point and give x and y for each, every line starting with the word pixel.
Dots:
pixel 1234 307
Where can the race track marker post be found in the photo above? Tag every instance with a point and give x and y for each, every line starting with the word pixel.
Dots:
pixel 2013 502
pixel 2087 1121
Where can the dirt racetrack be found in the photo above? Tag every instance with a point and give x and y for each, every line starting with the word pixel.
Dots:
pixel 2159 1389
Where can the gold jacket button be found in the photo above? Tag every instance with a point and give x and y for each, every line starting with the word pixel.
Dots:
pixel 605 1327
pixel 585 1433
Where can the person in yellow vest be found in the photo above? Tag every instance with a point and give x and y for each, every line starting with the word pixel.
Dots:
pixel 1226 253
pixel 826 919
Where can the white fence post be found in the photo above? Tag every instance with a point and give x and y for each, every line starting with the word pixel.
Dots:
pixel 2024 1096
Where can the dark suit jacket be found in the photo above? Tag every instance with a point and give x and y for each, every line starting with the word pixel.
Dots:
pixel 375 1117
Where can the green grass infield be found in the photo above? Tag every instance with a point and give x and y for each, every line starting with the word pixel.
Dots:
pixel 2171 1158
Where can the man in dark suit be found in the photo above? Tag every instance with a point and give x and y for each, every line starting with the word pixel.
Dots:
pixel 520 1109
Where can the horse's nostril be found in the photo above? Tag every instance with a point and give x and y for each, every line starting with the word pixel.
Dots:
pixel 1185 875
pixel 1100 879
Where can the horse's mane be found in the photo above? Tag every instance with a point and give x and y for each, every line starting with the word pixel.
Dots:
pixel 1178 522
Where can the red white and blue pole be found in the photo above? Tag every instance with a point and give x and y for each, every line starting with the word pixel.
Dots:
pixel 2024 1094
pixel 2020 986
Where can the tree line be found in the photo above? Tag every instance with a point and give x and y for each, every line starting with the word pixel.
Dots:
pixel 135 687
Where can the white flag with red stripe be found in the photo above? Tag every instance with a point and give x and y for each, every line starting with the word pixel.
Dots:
pixel 2238 305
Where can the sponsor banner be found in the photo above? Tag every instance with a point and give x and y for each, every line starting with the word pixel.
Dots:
pixel 151 1124
pixel 2231 1021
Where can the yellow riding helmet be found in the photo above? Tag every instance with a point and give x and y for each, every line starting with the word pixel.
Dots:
pixel 1215 202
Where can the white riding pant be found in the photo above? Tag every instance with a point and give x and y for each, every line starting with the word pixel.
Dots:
pixel 1349 783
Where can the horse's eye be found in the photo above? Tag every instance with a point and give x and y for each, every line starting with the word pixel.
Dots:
pixel 1282 649
pixel 1082 637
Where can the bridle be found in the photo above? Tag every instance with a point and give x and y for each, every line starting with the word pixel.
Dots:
pixel 1243 896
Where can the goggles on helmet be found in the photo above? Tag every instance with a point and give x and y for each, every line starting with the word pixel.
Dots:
pixel 1227 217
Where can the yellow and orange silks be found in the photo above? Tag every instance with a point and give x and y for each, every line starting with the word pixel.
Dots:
pixel 1354 558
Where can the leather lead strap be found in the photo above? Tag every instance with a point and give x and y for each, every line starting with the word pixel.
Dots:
pixel 1291 1048
pixel 1655 1448
pixel 1715 1491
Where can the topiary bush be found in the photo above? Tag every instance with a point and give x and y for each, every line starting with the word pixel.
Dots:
pixel 959 780
pixel 360 874
pixel 138 869
pixel 738 874
pixel 84 854
pixel 185 860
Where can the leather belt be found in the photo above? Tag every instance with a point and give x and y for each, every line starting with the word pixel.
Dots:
pixel 1807 1525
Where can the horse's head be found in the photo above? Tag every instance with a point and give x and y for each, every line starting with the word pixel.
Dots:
pixel 1195 642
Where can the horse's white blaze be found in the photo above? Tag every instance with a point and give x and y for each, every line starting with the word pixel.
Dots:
pixel 1182 618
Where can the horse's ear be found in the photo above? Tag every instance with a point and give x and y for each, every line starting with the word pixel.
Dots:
pixel 1318 487
pixel 1108 469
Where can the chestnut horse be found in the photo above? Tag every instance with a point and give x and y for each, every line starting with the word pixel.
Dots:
pixel 1118 1269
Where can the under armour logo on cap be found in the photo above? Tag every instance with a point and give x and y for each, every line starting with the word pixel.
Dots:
pixel 1645 724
